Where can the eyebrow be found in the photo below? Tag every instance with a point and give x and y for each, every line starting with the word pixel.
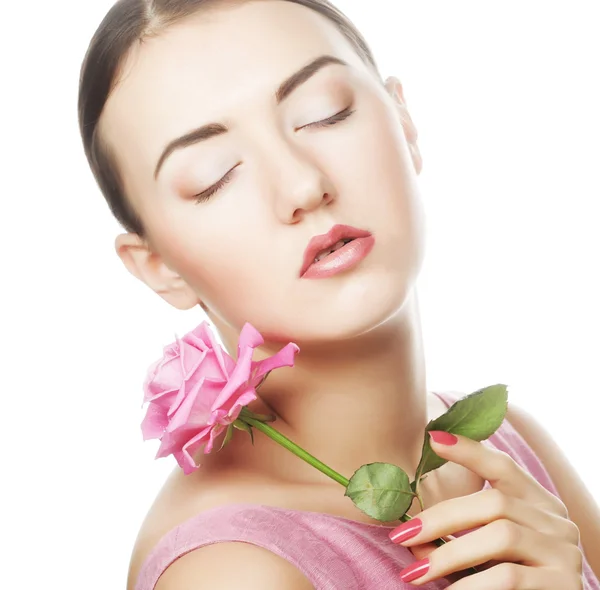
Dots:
pixel 214 129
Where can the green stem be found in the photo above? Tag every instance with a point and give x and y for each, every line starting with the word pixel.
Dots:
pixel 416 488
pixel 294 448
pixel 285 442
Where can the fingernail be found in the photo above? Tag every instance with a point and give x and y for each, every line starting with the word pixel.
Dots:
pixel 406 530
pixel 443 438
pixel 416 570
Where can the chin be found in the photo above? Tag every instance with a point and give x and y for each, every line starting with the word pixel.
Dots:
pixel 358 308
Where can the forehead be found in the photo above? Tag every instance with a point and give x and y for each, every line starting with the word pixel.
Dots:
pixel 212 65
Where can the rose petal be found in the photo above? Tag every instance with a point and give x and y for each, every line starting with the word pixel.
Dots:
pixel 217 417
pixel 190 358
pixel 197 390
pixel 186 462
pixel 182 414
pixel 284 358
pixel 203 438
pixel 154 423
pixel 169 443
pixel 175 441
pixel 167 375
pixel 243 400
pixel 222 358
pixel 214 433
pixel 179 397
pixel 181 461
pixel 164 399
pixel 237 380
pixel 250 337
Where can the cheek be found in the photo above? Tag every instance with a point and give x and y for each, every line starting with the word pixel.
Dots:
pixel 384 146
pixel 217 252
pixel 374 148
pixel 384 182
pixel 202 255
pixel 375 168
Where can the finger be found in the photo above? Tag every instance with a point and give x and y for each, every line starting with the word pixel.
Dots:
pixel 502 540
pixel 423 550
pixel 467 512
pixel 518 577
pixel 495 466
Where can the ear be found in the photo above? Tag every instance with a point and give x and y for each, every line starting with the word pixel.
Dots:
pixel 394 87
pixel 146 265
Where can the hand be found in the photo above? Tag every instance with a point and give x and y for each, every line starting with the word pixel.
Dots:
pixel 526 539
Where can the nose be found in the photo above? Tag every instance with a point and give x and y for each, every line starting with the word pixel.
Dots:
pixel 300 186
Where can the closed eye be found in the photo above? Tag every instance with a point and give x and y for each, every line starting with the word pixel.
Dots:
pixel 209 192
pixel 333 120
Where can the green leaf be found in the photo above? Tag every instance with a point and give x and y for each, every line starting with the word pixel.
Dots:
pixel 228 436
pixel 381 490
pixel 476 416
pixel 240 425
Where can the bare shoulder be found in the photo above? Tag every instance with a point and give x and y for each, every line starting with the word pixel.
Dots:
pixel 566 479
pixel 583 509
pixel 177 501
pixel 155 525
pixel 209 566
pixel 183 497
pixel 212 567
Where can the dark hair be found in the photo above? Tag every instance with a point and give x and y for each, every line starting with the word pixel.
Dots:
pixel 129 21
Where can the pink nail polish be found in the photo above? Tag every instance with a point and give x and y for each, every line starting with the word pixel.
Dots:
pixel 416 570
pixel 407 530
pixel 443 438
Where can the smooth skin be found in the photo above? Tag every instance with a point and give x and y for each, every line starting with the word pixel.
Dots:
pixel 525 529
pixel 529 535
pixel 238 255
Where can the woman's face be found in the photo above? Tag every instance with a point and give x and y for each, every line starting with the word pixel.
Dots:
pixel 281 179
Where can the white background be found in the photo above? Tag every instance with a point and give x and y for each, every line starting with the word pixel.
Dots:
pixel 506 99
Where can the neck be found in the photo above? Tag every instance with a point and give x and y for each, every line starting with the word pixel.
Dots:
pixel 351 402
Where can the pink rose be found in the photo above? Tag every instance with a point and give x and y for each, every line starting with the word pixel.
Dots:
pixel 197 390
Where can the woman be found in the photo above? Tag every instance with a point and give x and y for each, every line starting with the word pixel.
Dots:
pixel 240 144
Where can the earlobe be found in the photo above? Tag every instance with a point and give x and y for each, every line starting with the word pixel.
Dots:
pixel 148 266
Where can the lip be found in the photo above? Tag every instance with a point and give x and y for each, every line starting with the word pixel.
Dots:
pixel 335 234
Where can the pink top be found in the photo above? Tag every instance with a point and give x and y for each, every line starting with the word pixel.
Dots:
pixel 332 552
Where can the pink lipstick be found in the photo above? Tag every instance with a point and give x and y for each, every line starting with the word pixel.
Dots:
pixel 342 248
